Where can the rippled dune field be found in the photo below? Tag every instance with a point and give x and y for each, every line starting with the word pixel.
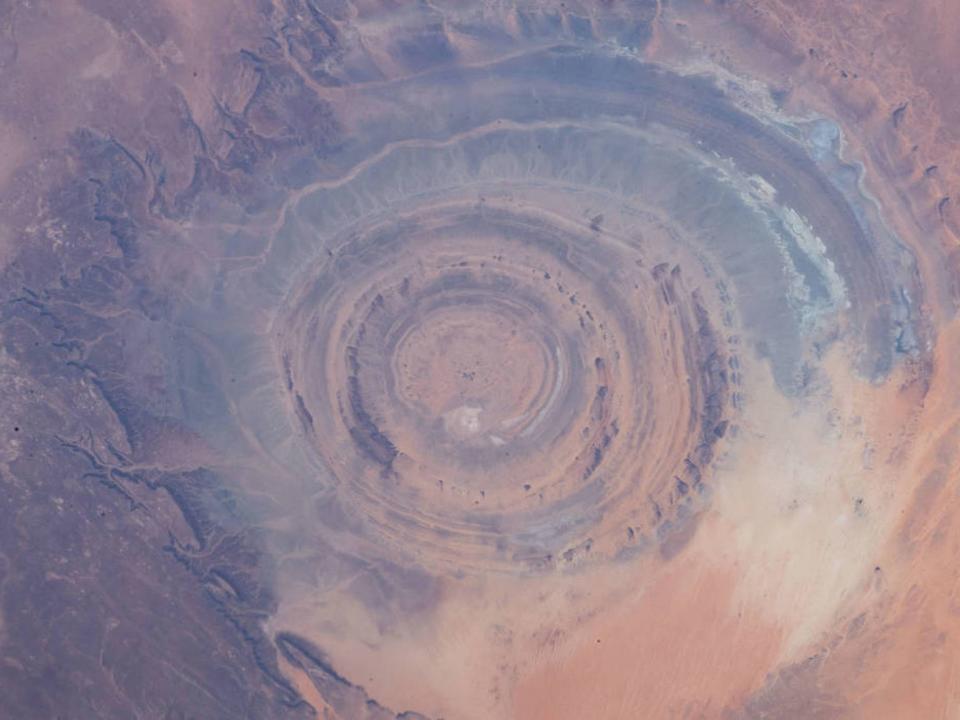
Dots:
pixel 479 361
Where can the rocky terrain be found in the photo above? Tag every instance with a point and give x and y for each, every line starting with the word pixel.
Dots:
pixel 461 361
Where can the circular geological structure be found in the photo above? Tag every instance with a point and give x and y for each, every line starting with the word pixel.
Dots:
pixel 496 385
pixel 516 347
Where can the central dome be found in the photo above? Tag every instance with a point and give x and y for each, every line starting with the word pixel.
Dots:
pixel 474 372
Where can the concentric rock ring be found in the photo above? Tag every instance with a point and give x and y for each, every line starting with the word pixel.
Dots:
pixel 500 388
pixel 604 229
pixel 433 289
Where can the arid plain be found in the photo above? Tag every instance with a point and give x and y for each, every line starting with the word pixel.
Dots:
pixel 468 361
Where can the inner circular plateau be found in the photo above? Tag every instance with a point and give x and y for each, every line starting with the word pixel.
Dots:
pixel 477 373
